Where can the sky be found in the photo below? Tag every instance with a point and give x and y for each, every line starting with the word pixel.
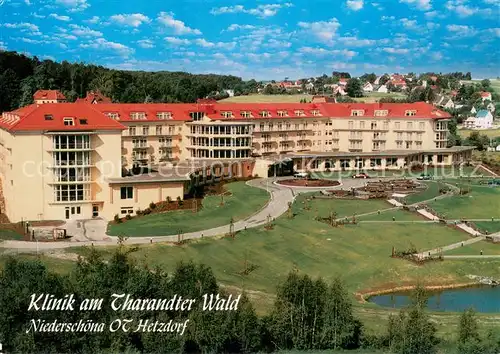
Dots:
pixel 264 40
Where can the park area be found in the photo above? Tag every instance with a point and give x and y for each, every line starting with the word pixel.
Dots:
pixel 258 259
pixel 239 202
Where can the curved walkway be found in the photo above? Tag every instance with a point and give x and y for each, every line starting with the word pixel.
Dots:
pixel 277 205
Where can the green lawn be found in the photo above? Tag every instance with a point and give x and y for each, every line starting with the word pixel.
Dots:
pixel 244 202
pixel 490 133
pixel 475 249
pixel 432 191
pixel 343 208
pixel 490 226
pixel 399 215
pixel 481 203
pixel 10 235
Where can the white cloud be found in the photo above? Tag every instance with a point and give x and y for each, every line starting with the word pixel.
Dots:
pixel 431 14
pixel 323 52
pixel 388 18
pixel 273 43
pixel 35 15
pixel 262 11
pixel 410 24
pixel 93 20
pixel 60 17
pixel 323 30
pixel 179 27
pixel 206 44
pixel 145 43
pixel 462 30
pixel 3 46
pixel 27 2
pixel 84 31
pixel 177 41
pixel 374 66
pixel 437 55
pixel 133 20
pixel 23 26
pixel 396 50
pixel 343 66
pixel 462 9
pixel 355 5
pixel 356 42
pixel 424 5
pixel 61 36
pixel 235 27
pixel 103 44
pixel 74 5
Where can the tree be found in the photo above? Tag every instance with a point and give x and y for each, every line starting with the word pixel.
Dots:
pixel 481 142
pixel 354 88
pixel 469 341
pixel 486 83
pixel 10 91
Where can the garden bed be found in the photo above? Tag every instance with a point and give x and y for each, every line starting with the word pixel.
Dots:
pixel 308 183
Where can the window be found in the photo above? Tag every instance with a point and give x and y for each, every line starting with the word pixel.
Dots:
pixel 409 125
pixel 137 115
pixel 71 193
pixel 246 114
pixel 69 121
pixel 357 112
pixel 282 113
pixel 410 113
pixel 83 121
pixel 113 115
pixel 145 130
pixel 196 115
pixel 299 113
pixel 164 115
pixel 397 125
pixel 127 192
pixel 159 129
pixel 49 117
pixel 374 125
pixel 351 124
pixel 421 126
pixel 127 210
pixel 264 114
pixel 227 114
pixel 386 125
pixel 315 112
pixel 381 113
pixel 131 130
pixel 362 124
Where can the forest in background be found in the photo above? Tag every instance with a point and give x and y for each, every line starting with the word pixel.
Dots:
pixel 21 76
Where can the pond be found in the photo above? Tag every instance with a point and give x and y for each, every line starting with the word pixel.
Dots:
pixel 482 299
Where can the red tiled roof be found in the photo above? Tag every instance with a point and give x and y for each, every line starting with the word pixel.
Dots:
pixel 485 94
pixel 33 117
pixel 49 95
pixel 94 96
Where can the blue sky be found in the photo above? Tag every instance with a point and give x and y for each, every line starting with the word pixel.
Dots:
pixel 270 39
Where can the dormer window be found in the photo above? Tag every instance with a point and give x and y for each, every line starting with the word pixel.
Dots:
pixel 69 121
pixel 196 115
pixel 299 113
pixel 164 115
pixel 227 114
pixel 83 121
pixel 381 113
pixel 246 114
pixel 282 114
pixel 49 117
pixel 138 115
pixel 113 115
pixel 264 114
pixel 410 113
pixel 357 112
pixel 315 112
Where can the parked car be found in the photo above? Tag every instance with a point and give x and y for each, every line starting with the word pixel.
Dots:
pixel 360 175
pixel 424 177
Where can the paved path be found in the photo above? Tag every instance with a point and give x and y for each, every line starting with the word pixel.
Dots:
pixel 450 247
pixel 280 196
pixel 490 171
pixel 471 256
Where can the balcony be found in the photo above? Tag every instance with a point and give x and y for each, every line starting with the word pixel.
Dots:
pixel 72 163
pixel 140 146
pixel 71 147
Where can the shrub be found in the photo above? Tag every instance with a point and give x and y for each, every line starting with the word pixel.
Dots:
pixel 138 212
pixel 169 199
pixel 128 217
pixel 179 201
pixel 146 211
pixel 152 205
pixel 117 219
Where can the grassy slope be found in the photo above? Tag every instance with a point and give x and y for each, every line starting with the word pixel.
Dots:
pixel 244 202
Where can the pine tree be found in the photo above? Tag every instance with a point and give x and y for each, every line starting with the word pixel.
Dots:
pixel 469 341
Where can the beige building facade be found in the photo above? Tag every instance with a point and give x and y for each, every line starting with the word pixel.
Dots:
pixel 73 160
